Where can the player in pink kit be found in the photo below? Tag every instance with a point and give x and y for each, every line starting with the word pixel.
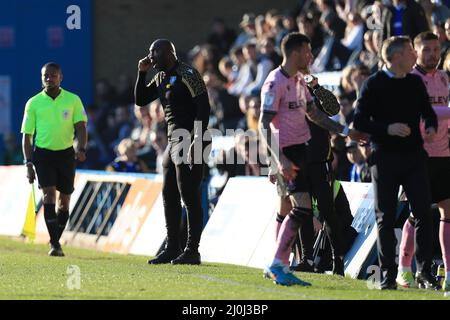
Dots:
pixel 285 102
pixel 428 51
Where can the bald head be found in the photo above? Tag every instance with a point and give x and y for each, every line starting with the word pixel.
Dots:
pixel 162 54
pixel 165 45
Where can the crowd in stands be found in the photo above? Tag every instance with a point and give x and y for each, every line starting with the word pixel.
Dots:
pixel 346 36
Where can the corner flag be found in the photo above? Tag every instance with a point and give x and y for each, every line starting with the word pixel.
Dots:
pixel 29 229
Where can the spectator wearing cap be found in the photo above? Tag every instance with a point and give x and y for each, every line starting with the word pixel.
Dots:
pixel 248 30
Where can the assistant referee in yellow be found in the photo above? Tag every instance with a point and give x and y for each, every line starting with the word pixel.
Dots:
pixel 56 116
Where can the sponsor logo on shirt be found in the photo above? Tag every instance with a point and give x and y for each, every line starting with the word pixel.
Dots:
pixel 439 100
pixel 294 105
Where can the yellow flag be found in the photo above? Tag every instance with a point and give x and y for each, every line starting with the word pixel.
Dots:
pixel 29 229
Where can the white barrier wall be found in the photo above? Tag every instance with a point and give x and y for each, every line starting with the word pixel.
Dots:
pixel 241 228
pixel 14 195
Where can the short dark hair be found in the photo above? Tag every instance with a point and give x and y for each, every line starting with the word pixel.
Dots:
pixel 362 69
pixel 424 36
pixel 304 19
pixel 292 41
pixel 52 65
pixel 392 46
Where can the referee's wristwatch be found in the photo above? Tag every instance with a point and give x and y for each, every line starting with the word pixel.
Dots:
pixel 81 150
pixel 27 162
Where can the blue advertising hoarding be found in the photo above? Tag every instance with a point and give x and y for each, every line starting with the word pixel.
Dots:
pixel 33 32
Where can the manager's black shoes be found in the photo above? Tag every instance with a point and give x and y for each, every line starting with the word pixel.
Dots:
pixel 303 266
pixel 56 251
pixel 388 284
pixel 188 257
pixel 165 256
pixel 425 280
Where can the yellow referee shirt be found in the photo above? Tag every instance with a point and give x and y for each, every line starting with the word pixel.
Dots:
pixel 53 120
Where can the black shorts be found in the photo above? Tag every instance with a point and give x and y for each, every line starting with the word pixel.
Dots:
pixel 439 172
pixel 297 155
pixel 55 169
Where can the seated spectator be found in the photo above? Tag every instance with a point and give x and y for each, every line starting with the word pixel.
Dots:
pixel 13 150
pixel 306 26
pixel 127 161
pixel 439 30
pixel 99 155
pixel 228 71
pixel 354 32
pixel 221 36
pixel 224 106
pixel 253 73
pixel 141 135
pixel 366 152
pixel 403 18
pixel 341 165
pixel 345 115
pixel 119 126
pixel 248 30
pixel 369 55
pixel 446 64
pixel 346 87
pixel 268 50
pixel 205 58
pixel 435 11
pixel 262 27
pixel 158 138
pixel 358 76
pixel 333 55
pixel 360 171
pixel 125 90
pixel 247 148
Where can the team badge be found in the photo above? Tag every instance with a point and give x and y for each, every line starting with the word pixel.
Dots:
pixel 269 99
pixel 66 114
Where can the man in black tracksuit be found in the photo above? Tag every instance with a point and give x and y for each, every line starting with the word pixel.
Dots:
pixel 390 107
pixel 319 158
pixel 183 95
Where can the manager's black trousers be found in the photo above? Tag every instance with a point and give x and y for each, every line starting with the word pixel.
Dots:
pixel 408 169
pixel 181 182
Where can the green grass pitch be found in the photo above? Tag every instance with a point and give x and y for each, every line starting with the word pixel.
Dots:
pixel 26 272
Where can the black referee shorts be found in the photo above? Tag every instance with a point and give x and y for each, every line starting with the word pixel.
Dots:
pixel 55 169
pixel 439 173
